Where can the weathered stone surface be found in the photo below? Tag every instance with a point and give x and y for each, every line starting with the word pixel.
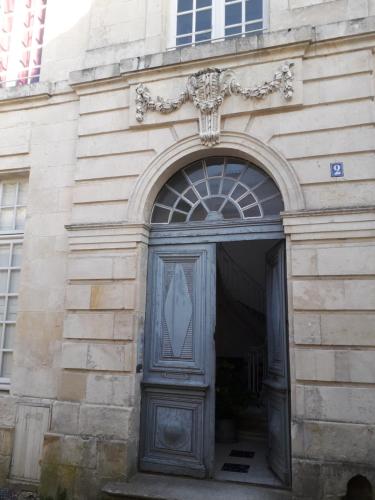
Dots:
pixel 110 389
pixel 356 442
pixel 112 459
pixel 335 328
pixel 335 365
pixel 90 325
pixel 158 487
pixel 115 357
pixel 336 404
pixel 72 386
pixel 6 440
pixel 105 422
pixel 65 417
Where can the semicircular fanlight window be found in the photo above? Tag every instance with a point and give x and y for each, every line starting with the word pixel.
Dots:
pixel 217 189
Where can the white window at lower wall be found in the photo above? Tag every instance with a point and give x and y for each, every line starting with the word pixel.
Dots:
pixel 13 193
pixel 196 21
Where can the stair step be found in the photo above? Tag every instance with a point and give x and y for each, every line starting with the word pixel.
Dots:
pixel 158 487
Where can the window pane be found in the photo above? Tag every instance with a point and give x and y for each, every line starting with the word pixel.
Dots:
pixel 185 40
pixel 195 172
pixel 253 177
pixel 7 219
pixel 160 215
pixel 184 24
pixel 252 212
pixel 203 3
pixel 3 281
pixel 14 281
pixel 20 218
pixel 239 191
pixel 233 31
pixel 184 5
pixel 4 255
pixel 12 309
pixel 22 193
pixel 233 170
pixel 9 194
pixel 179 182
pixel 6 369
pixel 214 203
pixel 227 186
pixel 9 333
pixel 178 217
pixel 273 206
pixel 200 213
pixel 202 37
pixel 191 196
pixel 214 168
pixel 166 197
pixel 253 9
pixel 266 189
pixel 254 27
pixel 248 200
pixel 16 256
pixel 214 185
pixel 182 205
pixel 203 20
pixel 202 189
pixel 233 13
pixel 230 211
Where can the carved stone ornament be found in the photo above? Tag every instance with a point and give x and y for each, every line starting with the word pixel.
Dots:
pixel 207 90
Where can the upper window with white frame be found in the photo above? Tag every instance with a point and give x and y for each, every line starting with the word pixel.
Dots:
pixel 197 21
pixel 13 193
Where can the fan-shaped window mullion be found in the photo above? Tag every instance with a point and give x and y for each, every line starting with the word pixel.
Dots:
pixel 225 199
pixel 204 189
pixel 204 204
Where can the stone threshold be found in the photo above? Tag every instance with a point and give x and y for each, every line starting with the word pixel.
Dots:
pixel 158 487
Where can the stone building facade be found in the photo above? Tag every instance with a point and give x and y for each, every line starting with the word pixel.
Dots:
pixel 70 404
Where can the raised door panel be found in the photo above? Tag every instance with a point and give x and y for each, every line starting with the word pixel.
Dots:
pixel 173 423
pixel 180 312
pixel 277 379
pixel 178 395
pixel 276 315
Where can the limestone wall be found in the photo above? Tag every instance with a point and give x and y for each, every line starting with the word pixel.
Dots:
pixel 82 297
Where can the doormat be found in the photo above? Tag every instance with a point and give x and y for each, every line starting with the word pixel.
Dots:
pixel 236 468
pixel 242 454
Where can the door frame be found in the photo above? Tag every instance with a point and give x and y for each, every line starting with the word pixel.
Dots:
pixel 223 232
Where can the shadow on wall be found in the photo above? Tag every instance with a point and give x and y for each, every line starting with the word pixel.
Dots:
pixel 359 488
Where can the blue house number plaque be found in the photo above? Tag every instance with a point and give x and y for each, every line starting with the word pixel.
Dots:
pixel 337 169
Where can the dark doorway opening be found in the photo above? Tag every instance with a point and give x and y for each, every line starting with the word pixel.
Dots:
pixel 242 425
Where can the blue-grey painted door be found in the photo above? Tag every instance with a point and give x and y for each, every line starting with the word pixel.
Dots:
pixel 277 378
pixel 177 431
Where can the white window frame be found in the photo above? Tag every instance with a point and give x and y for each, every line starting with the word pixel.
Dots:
pixel 218 23
pixel 9 237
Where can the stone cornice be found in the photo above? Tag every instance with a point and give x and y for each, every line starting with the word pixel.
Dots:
pixel 328 212
pixel 106 235
pixel 331 223
pixel 104 225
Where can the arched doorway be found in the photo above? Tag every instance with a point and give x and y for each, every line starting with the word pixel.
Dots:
pixel 216 326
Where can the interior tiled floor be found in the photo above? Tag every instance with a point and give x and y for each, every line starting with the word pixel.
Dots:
pixel 258 472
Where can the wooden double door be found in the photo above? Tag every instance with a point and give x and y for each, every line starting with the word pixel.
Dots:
pixel 178 389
